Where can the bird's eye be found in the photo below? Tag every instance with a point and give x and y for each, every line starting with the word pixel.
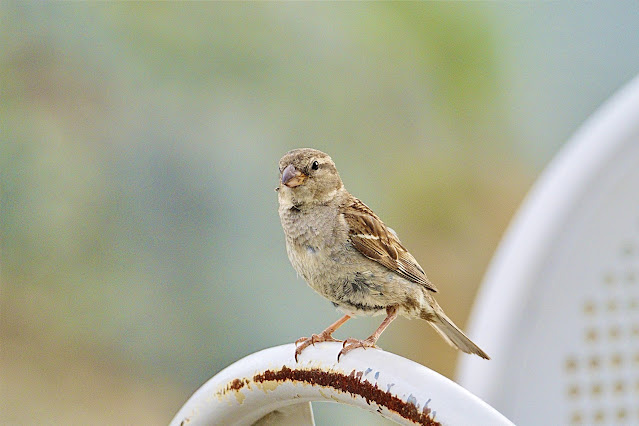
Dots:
pixel 315 165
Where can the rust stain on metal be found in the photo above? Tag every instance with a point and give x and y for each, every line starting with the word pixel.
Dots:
pixel 236 384
pixel 351 383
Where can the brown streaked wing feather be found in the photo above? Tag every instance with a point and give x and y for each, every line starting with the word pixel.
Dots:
pixel 373 239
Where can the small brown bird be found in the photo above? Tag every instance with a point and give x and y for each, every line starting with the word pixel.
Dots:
pixel 349 256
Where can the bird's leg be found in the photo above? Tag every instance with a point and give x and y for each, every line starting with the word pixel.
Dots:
pixel 324 336
pixel 350 344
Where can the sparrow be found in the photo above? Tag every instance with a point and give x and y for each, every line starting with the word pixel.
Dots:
pixel 348 255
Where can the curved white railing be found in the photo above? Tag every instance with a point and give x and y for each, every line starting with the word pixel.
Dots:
pixel 270 387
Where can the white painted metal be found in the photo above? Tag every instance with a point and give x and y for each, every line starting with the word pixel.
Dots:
pixel 293 415
pixel 234 396
pixel 558 310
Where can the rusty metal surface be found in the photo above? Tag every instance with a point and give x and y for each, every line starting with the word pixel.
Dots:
pixel 351 383
pixel 378 381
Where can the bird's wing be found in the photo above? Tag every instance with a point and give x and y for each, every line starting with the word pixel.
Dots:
pixel 376 241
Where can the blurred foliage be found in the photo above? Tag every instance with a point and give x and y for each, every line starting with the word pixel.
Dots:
pixel 141 248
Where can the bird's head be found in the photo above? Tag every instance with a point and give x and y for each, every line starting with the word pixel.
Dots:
pixel 307 176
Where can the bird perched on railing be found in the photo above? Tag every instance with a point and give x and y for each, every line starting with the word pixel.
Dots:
pixel 349 256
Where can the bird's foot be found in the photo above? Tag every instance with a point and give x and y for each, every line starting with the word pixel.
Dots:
pixel 304 342
pixel 350 344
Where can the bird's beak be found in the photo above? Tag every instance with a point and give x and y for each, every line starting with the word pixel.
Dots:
pixel 292 177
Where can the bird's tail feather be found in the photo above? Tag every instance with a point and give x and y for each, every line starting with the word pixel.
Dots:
pixel 452 334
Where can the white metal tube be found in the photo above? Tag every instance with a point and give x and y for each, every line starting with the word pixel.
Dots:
pixel 377 381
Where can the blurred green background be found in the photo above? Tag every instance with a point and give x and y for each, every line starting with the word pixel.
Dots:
pixel 141 247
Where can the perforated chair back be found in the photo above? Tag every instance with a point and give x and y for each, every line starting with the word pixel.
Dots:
pixel 559 307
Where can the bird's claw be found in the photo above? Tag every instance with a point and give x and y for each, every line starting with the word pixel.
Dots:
pixel 304 342
pixel 350 344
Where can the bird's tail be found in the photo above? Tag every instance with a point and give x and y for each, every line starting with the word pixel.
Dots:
pixel 451 333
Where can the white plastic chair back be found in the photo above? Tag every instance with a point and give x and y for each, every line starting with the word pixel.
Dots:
pixel 559 307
